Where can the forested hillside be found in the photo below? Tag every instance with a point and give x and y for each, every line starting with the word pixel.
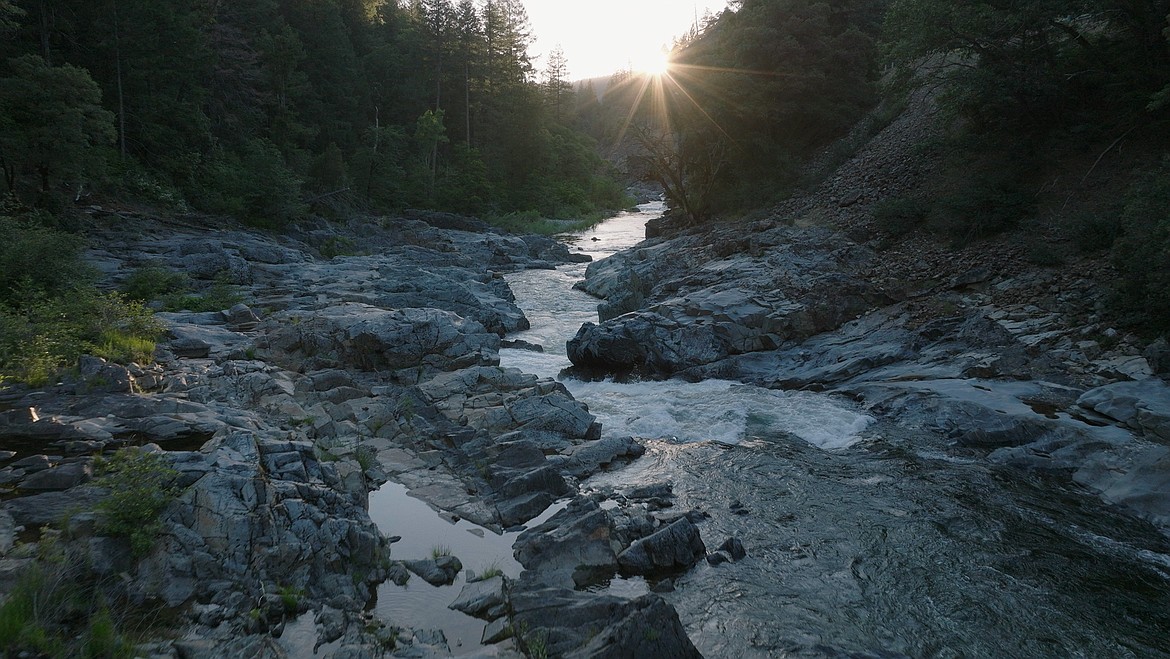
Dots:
pixel 256 108
pixel 1055 115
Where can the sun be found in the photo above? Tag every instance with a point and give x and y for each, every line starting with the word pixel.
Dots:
pixel 654 64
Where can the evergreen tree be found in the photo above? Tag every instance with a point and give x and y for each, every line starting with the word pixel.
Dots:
pixel 51 123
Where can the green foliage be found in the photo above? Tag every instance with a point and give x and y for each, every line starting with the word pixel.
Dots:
pixel 1036 64
pixel 131 180
pixel 1142 254
pixel 50 313
pixel 533 222
pixel 366 457
pixel 337 246
pixel 983 207
pixel 255 185
pixel 492 571
pixel 1044 255
pixel 1093 232
pixel 290 597
pixel 900 216
pixel 439 551
pixel 753 93
pixel 55 610
pixel 173 290
pixel 51 121
pixel 153 282
pixel 235 108
pixel 140 485
pixel 36 258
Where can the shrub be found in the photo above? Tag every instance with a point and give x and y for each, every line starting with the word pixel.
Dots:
pixel 338 246
pixel 56 609
pixel 140 487
pixel 1142 254
pixel 986 206
pixel 48 333
pixel 1091 232
pixel 152 282
pixel 34 257
pixel 366 457
pixel 898 217
pixel 220 295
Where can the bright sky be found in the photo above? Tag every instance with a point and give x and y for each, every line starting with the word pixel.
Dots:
pixel 600 37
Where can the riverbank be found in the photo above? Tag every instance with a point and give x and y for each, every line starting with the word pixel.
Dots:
pixel 280 415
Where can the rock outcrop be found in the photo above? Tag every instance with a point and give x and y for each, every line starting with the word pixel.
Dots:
pixel 279 415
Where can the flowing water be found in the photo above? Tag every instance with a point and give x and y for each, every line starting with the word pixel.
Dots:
pixel 862 538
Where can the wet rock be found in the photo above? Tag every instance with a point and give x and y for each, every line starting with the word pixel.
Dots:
pixel 575 624
pixel 497 631
pixel 663 586
pixel 718 558
pixel 398 573
pixel 734 549
pixel 522 508
pixel 1138 479
pixel 587 459
pixel 482 599
pixel 676 547
pixel 61 477
pixel 189 347
pixel 367 338
pixel 519 344
pixel 573 548
pixel 1157 355
pixel 440 571
pixel 1143 405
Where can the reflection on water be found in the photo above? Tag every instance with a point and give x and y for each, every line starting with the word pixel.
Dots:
pixel 423 531
pixel 862 537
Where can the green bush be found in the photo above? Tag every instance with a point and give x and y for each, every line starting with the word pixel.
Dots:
pixel 899 217
pixel 1142 254
pixel 1092 232
pixel 152 282
pixel 140 487
pixel 56 609
pixel 34 257
pixel 984 207
pixel 45 333
pixel 254 185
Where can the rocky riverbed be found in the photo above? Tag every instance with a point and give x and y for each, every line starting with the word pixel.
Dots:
pixel 281 414
pixel 1003 360
pixel 969 410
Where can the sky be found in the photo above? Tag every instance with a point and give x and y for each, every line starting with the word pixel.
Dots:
pixel 600 37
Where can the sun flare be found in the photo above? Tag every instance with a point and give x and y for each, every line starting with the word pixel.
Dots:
pixel 656 64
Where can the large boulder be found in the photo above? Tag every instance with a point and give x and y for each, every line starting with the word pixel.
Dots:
pixel 1143 405
pixel 559 622
pixel 367 338
pixel 676 547
pixel 573 548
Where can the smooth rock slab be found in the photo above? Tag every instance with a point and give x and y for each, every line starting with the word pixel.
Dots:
pixel 437 572
pixel 483 599
pixel 569 623
pixel 676 547
pixel 1143 405
pixel 572 549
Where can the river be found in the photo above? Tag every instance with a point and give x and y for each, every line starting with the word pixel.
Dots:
pixel 862 537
